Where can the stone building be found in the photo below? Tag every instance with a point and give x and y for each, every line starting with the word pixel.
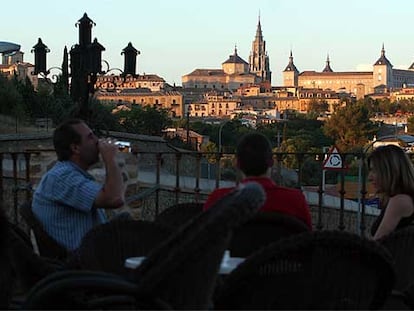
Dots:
pixel 170 100
pixel 12 63
pixel 235 71
pixel 234 74
pixel 116 82
pixel 358 83
pixel 214 104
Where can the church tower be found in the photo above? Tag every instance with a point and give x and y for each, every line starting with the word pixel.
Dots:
pixel 328 65
pixel 291 73
pixel 258 59
pixel 382 71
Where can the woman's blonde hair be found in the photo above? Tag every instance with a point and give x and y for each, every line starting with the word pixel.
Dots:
pixel 394 170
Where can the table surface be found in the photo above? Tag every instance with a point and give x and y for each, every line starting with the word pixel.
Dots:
pixel 228 264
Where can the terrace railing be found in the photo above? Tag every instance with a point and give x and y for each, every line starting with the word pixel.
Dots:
pixel 167 178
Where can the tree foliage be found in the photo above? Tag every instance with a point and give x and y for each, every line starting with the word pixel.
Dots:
pixel 350 127
pixel 144 120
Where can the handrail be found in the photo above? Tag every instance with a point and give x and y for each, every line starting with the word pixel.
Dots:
pixel 181 176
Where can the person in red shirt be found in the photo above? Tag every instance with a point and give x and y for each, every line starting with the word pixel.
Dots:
pixel 255 160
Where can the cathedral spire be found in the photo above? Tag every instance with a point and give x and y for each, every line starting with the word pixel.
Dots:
pixel 383 60
pixel 291 66
pixel 259 29
pixel 258 59
pixel 328 65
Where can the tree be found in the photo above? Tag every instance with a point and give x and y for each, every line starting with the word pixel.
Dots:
pixel 350 127
pixel 145 120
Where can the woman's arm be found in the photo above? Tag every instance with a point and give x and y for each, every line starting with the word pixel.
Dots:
pixel 399 206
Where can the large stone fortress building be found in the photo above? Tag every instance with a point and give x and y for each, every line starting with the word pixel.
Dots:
pixel 235 71
pixel 382 77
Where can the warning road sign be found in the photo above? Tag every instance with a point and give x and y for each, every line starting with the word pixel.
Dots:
pixel 333 160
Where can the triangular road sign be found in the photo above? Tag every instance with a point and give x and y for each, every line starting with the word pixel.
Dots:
pixel 333 160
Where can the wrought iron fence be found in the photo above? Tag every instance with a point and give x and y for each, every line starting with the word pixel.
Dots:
pixel 173 177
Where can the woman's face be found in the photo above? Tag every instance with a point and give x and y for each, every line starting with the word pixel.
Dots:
pixel 373 178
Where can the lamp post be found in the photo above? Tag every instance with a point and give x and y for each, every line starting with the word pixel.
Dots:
pixel 85 65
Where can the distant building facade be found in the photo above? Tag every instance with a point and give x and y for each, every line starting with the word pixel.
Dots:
pixel 169 100
pixel 358 83
pixel 116 82
pixel 235 71
pixel 12 63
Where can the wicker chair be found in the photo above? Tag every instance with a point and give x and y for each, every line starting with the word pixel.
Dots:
pixel 263 229
pixel 178 214
pixel 177 274
pixel 319 270
pixel 48 247
pixel 106 246
pixel 400 244
pixel 84 290
pixel 183 270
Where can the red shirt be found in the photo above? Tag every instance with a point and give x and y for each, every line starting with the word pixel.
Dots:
pixel 280 199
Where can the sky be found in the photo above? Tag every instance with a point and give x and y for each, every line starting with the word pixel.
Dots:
pixel 177 37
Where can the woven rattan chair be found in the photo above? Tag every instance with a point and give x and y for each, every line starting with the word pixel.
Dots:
pixel 263 229
pixel 85 290
pixel 183 270
pixel 400 244
pixel 178 214
pixel 48 247
pixel 319 270
pixel 106 246
pixel 177 274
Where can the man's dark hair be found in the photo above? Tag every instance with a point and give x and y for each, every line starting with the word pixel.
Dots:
pixel 64 136
pixel 254 154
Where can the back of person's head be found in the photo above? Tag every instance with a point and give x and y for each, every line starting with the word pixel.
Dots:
pixel 394 170
pixel 254 154
pixel 65 135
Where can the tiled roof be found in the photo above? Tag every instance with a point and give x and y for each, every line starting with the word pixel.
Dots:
pixel 235 59
pixel 383 60
pixel 207 72
pixel 344 73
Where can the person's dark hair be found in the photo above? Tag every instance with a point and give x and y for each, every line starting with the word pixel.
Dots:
pixel 64 136
pixel 254 154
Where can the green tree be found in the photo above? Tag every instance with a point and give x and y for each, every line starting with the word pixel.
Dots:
pixel 350 127
pixel 145 120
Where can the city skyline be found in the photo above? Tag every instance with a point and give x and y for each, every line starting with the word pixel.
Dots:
pixel 177 37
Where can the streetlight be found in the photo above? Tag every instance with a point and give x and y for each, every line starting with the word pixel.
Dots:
pixel 219 138
pixel 85 64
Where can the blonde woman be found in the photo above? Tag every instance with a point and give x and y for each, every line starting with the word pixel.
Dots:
pixel 392 175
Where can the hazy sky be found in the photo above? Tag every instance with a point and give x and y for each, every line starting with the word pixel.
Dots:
pixel 176 37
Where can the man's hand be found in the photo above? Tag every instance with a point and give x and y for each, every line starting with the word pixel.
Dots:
pixel 107 149
pixel 112 193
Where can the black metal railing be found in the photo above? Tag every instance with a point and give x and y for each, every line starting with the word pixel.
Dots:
pixel 173 177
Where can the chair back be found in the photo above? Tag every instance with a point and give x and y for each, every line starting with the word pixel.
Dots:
pixel 83 290
pixel 263 229
pixel 106 246
pixel 178 214
pixel 48 246
pixel 183 270
pixel 400 244
pixel 318 270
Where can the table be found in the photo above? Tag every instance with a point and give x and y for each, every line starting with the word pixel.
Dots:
pixel 228 264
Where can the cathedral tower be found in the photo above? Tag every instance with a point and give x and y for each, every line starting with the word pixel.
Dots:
pixel 291 73
pixel 382 71
pixel 258 59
